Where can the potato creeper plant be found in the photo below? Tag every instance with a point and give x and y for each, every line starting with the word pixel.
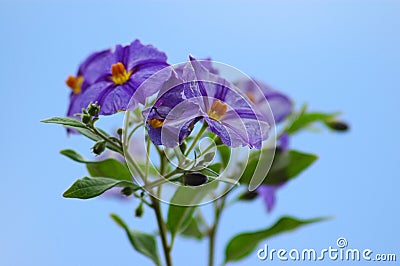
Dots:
pixel 190 137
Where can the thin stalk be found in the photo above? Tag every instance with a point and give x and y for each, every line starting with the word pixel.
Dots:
pixel 97 132
pixel 160 221
pixel 134 130
pixel 125 148
pixel 163 230
pixel 147 161
pixel 218 207
pixel 194 142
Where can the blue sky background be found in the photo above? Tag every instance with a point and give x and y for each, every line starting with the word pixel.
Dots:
pixel 335 55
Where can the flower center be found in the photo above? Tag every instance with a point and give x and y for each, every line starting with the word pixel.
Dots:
pixel 217 110
pixel 119 74
pixel 75 83
pixel 156 123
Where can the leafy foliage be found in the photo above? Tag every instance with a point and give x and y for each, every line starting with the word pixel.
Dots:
pixel 286 165
pixel 243 244
pixel 86 188
pixel 142 242
pixel 106 168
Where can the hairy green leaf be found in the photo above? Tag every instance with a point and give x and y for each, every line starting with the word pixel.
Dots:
pixel 142 242
pixel 286 165
pixel 193 229
pixel 305 119
pixel 243 244
pixel 179 217
pixel 110 167
pixel 65 121
pixel 86 188
pixel 77 125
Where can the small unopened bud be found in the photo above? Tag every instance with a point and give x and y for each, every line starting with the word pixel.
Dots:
pixel 99 147
pixel 139 210
pixel 86 119
pixel 194 179
pixel 93 109
pixel 249 195
pixel 338 125
pixel 119 131
pixel 127 191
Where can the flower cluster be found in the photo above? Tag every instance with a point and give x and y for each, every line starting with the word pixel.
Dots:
pixel 211 135
pixel 195 94
pixel 240 113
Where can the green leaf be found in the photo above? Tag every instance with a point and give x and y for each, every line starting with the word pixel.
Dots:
pixel 286 165
pixel 142 242
pixel 244 244
pixel 193 229
pixel 212 170
pixel 65 121
pixel 74 156
pixel 305 119
pixel 225 154
pixel 77 125
pixel 86 188
pixel 106 168
pixel 179 217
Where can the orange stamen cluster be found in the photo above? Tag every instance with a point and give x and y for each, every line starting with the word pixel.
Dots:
pixel 218 110
pixel 75 83
pixel 156 123
pixel 119 74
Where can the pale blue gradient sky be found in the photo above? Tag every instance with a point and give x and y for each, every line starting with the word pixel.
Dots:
pixel 336 55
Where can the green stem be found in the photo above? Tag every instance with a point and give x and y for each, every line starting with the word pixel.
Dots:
pixel 101 135
pixel 160 221
pixel 163 230
pixel 194 142
pixel 162 180
pixel 134 129
pixel 147 161
pixel 218 207
pixel 125 146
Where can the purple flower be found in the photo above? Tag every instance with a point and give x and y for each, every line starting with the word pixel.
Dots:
pixel 280 104
pixel 116 76
pixel 200 95
pixel 267 193
pixel 87 74
pixel 170 95
pixel 207 63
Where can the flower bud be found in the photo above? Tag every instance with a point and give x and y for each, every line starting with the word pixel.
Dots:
pixel 86 118
pixel 194 179
pixel 249 195
pixel 119 131
pixel 93 109
pixel 127 191
pixel 139 210
pixel 99 147
pixel 338 125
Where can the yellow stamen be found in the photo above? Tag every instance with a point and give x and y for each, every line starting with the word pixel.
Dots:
pixel 75 83
pixel 119 74
pixel 217 111
pixel 251 97
pixel 156 123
